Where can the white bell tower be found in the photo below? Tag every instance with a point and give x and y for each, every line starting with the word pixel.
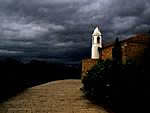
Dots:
pixel 96 43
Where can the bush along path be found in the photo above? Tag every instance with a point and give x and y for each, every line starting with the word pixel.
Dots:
pixel 117 86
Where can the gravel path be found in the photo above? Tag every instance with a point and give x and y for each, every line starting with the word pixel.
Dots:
pixel 62 96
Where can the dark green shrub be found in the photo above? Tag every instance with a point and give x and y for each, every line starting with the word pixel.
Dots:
pixel 114 85
pixel 98 82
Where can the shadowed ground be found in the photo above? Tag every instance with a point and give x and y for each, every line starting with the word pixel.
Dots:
pixel 62 96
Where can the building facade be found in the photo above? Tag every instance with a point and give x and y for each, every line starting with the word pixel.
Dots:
pixel 132 48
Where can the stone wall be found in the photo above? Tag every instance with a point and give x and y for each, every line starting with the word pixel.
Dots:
pixel 107 53
pixel 133 51
pixel 87 64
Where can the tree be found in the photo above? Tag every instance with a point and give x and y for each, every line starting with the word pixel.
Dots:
pixel 117 52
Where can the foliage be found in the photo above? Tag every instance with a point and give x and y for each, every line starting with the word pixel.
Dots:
pixel 115 85
pixel 98 82
pixel 117 52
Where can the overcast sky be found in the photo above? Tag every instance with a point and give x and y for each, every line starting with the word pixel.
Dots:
pixel 61 29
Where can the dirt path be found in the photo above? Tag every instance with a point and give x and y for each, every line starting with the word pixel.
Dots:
pixel 62 96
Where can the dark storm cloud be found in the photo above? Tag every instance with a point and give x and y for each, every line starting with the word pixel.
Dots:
pixel 62 28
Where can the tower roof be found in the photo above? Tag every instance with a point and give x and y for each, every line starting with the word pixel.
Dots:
pixel 96 31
